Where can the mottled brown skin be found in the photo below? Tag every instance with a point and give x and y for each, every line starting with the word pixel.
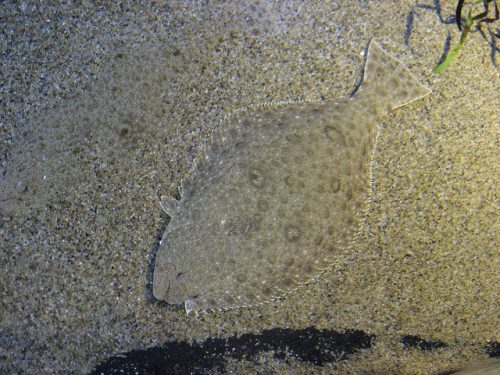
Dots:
pixel 278 195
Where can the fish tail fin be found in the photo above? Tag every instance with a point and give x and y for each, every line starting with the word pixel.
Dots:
pixel 387 77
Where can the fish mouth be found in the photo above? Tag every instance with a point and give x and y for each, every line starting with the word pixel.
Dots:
pixel 169 293
pixel 173 288
pixel 162 282
pixel 167 288
pixel 160 292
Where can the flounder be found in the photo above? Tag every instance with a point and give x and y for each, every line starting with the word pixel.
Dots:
pixel 278 194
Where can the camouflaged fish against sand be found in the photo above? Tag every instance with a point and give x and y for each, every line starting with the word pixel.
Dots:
pixel 278 195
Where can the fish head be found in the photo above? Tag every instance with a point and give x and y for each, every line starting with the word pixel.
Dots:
pixel 169 283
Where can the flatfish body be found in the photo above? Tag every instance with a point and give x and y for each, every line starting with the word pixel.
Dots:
pixel 277 196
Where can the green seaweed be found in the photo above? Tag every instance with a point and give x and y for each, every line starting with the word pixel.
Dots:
pixel 478 18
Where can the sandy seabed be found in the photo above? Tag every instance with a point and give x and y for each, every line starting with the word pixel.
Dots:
pixel 107 107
